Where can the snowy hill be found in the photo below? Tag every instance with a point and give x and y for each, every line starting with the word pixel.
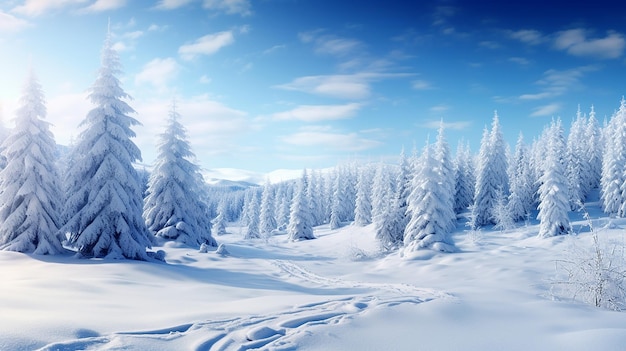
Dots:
pixel 337 292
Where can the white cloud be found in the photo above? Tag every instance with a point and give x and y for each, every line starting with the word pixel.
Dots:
pixel 519 60
pixel 39 7
pixel 316 113
pixel 158 72
pixel 575 42
pixel 330 44
pixel 421 85
pixel 546 110
pixel 342 86
pixel 349 142
pixel 273 49
pixel 171 4
pixel 212 127
pixel 205 79
pixel 10 23
pixel 104 5
pixel 231 7
pixel 439 108
pixel 555 83
pixel 459 125
pixel 206 45
pixel 528 36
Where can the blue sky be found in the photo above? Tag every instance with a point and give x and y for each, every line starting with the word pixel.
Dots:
pixel 271 84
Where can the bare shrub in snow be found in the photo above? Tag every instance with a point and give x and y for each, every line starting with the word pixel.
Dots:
pixel 595 275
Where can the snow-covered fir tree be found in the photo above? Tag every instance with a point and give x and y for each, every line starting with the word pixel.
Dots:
pixel 594 149
pixel 388 227
pixel 299 227
pixel 464 178
pixel 614 163
pixel 219 222
pixel 577 167
pixel 363 209
pixel 104 210
pixel 30 191
pixel 173 208
pixel 382 190
pixel 491 175
pixel 403 189
pixel 553 192
pixel 267 221
pixel 282 214
pixel 430 211
pixel 446 169
pixel 521 198
pixel 338 207
pixel 252 230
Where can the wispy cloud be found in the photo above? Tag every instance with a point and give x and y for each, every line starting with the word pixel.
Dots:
pixel 213 128
pixel 436 124
pixel 39 7
pixel 274 49
pixel 439 108
pixel 316 113
pixel 171 4
pixel 555 83
pixel 546 110
pixel 421 84
pixel 328 44
pixel 158 73
pixel 576 42
pixel 336 141
pixel 206 45
pixel 519 60
pixel 343 86
pixel 10 23
pixel 528 36
pixel 231 7
pixel 104 5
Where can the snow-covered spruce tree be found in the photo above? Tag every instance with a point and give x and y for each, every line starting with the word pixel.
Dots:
pixel 445 170
pixel 363 209
pixel 521 198
pixel 382 190
pixel 403 189
pixel 553 192
pixel 312 193
pixel 267 221
pixel 103 213
pixel 491 174
pixel 387 226
pixel 252 230
pixel 614 163
pixel 464 178
pixel 219 222
pixel 577 168
pixel 594 149
pixel 339 200
pixel 30 192
pixel 431 214
pixel 173 209
pixel 299 227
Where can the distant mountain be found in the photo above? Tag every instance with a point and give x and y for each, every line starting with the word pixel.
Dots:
pixel 234 176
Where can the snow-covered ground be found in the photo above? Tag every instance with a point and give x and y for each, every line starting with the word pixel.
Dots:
pixel 333 293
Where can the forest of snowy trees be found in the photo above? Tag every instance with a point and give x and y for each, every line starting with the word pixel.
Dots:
pixel 110 210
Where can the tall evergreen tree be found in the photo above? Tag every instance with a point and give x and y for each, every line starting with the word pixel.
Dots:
pixel 491 175
pixel 363 209
pixel 30 186
pixel 253 231
pixel 553 192
pixel 577 167
pixel 299 227
pixel 594 150
pixel 267 220
pixel 431 214
pixel 104 210
pixel 521 198
pixel 464 178
pixel 219 222
pixel 614 163
pixel 173 208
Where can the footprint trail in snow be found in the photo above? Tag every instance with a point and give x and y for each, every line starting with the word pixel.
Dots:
pixel 279 330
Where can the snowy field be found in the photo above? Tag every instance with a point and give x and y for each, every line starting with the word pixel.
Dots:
pixel 333 293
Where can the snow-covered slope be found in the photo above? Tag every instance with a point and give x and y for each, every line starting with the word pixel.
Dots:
pixel 336 292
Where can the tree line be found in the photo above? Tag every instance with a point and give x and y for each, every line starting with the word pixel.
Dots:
pixel 98 204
